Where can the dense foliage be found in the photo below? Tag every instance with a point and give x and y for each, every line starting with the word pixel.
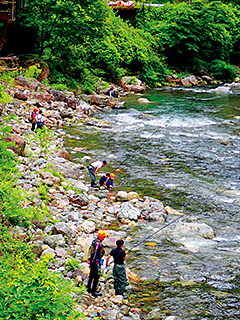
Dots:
pixel 83 40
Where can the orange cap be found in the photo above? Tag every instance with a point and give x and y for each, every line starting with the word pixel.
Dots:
pixel 112 175
pixel 35 109
pixel 102 234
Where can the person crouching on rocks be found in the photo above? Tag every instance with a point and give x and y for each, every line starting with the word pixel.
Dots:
pixel 107 180
pixel 40 119
pixel 93 169
pixel 119 273
pixel 95 261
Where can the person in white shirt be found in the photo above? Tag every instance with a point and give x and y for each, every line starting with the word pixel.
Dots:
pixel 40 120
pixel 93 169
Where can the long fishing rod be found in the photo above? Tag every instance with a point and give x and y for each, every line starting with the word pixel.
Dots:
pixel 141 144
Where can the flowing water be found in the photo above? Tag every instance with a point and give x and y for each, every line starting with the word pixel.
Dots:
pixel 184 149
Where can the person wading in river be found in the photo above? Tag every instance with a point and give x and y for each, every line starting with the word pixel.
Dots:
pixel 93 169
pixel 95 261
pixel 119 273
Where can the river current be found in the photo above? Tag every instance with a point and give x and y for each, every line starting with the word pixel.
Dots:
pixel 184 149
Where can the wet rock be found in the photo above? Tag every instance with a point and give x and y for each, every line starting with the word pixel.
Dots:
pixel 18 144
pixel 145 116
pixel 187 81
pixel 143 100
pixel 131 275
pixel 187 229
pixel 128 211
pixel 155 314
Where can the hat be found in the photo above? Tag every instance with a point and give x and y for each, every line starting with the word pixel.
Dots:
pixel 102 234
pixel 112 85
pixel 112 175
pixel 35 109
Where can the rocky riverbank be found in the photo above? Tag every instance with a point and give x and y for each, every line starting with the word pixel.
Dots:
pixel 75 211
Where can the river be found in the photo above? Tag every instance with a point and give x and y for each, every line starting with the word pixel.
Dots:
pixel 184 149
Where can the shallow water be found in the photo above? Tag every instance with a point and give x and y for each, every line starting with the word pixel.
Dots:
pixel 186 155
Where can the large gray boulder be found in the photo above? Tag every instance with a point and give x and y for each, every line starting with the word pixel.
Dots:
pixel 128 211
pixel 56 240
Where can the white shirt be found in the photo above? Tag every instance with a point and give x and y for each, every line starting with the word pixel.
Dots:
pixel 97 164
pixel 40 118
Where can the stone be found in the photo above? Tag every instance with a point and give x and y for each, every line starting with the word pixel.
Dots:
pixel 128 211
pixel 48 251
pixel 145 116
pixel 110 242
pixel 60 252
pixel 20 96
pixel 103 100
pixel 62 228
pixel 155 314
pixel 84 267
pixel 122 196
pixel 42 97
pixel 172 211
pixel 132 195
pixel 114 313
pixel 67 168
pixel 64 154
pixel 53 241
pixel 132 84
pixel 143 100
pixel 131 275
pixel 82 242
pixel 18 144
pixel 37 248
pixel 87 226
pixel 202 229
pixel 78 272
pixel 81 186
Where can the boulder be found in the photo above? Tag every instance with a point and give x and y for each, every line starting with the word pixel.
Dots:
pixel 103 100
pixel 128 211
pixel 20 96
pixel 42 97
pixel 155 314
pixel 66 168
pixel 32 84
pixel 132 84
pixel 145 116
pixel 87 226
pixel 48 251
pixel 132 195
pixel 187 81
pixel 64 154
pixel 18 144
pixel 121 196
pixel 143 100
pixel 54 241
pixel 193 228
pixel 62 228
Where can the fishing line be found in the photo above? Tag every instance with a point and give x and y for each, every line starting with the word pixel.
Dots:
pixel 144 141
pixel 178 218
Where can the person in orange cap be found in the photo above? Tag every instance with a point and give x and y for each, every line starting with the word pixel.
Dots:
pixel 95 261
pixel 33 118
pixel 107 180
pixel 111 91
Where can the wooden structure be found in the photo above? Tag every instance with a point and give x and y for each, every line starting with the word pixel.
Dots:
pixel 8 14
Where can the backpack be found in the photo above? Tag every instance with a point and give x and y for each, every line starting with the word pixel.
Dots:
pixel 30 119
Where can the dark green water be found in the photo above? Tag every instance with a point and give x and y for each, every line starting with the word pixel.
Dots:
pixel 189 154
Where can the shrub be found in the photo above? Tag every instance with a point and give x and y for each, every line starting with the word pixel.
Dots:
pixel 31 292
pixel 222 70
